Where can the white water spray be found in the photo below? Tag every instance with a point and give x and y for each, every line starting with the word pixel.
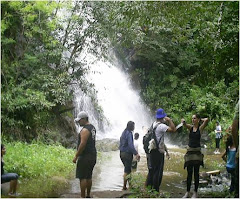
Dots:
pixel 119 102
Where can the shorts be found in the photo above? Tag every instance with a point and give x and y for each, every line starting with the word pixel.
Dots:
pixel 85 165
pixel 7 177
pixel 127 161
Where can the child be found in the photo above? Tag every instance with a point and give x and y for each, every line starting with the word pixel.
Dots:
pixel 229 156
pixel 135 160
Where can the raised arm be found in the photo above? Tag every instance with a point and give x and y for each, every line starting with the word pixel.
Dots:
pixel 204 124
pixel 172 127
pixel 188 126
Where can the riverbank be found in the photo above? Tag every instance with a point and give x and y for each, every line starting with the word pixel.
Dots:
pixel 107 178
pixel 127 194
pixel 100 194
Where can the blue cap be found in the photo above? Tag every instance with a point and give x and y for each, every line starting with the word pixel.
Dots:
pixel 160 114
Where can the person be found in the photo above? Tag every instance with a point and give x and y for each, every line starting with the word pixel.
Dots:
pixel 127 151
pixel 229 156
pixel 235 132
pixel 86 154
pixel 135 143
pixel 9 177
pixel 194 158
pixel 155 169
pixel 218 132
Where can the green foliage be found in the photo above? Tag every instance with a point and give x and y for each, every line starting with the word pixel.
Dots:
pixel 184 56
pixel 40 53
pixel 184 53
pixel 38 160
pixel 137 181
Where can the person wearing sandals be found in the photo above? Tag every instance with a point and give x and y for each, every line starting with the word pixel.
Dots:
pixel 194 158
pixel 127 151
pixel 9 177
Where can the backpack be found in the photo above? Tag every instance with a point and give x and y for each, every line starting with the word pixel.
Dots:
pixel 149 136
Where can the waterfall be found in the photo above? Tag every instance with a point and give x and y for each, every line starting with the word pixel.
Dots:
pixel 119 102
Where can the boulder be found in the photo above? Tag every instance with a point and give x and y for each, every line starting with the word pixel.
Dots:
pixel 107 144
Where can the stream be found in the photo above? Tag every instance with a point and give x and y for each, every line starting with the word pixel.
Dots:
pixel 108 174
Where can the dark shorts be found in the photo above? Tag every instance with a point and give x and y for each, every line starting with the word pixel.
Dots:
pixel 127 161
pixel 7 177
pixel 85 165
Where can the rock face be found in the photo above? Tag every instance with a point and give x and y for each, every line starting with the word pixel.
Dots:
pixel 107 144
pixel 181 138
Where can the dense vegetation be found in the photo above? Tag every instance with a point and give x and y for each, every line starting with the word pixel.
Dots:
pixel 183 56
pixel 36 160
pixel 39 63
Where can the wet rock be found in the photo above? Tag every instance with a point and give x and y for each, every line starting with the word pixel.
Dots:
pixel 107 144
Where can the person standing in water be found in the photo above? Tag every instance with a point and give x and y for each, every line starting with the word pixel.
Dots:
pixel 86 154
pixel 194 158
pixel 127 151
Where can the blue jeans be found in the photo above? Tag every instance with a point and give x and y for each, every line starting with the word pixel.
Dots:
pixel 7 177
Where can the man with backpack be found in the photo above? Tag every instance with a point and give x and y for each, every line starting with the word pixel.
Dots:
pixel 156 154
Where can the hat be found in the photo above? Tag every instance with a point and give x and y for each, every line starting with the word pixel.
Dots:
pixel 160 114
pixel 81 115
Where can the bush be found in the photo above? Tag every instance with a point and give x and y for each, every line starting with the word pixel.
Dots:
pixel 38 159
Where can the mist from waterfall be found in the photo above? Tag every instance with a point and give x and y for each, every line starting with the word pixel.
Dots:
pixel 119 102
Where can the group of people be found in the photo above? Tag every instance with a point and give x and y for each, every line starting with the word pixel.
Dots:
pixel 155 159
pixel 86 155
pixel 193 158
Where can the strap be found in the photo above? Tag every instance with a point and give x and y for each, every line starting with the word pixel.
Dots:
pixel 154 135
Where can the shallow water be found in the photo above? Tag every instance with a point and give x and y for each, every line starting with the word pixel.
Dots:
pixel 108 174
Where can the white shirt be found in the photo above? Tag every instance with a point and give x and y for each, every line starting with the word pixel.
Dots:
pixel 159 132
pixel 135 143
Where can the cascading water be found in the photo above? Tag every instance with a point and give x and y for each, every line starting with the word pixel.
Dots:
pixel 119 102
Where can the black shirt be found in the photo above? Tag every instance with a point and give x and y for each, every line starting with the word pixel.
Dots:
pixel 90 146
pixel 194 138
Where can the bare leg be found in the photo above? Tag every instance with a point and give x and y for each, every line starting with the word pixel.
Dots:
pixel 83 187
pixel 13 186
pixel 89 186
pixel 125 181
